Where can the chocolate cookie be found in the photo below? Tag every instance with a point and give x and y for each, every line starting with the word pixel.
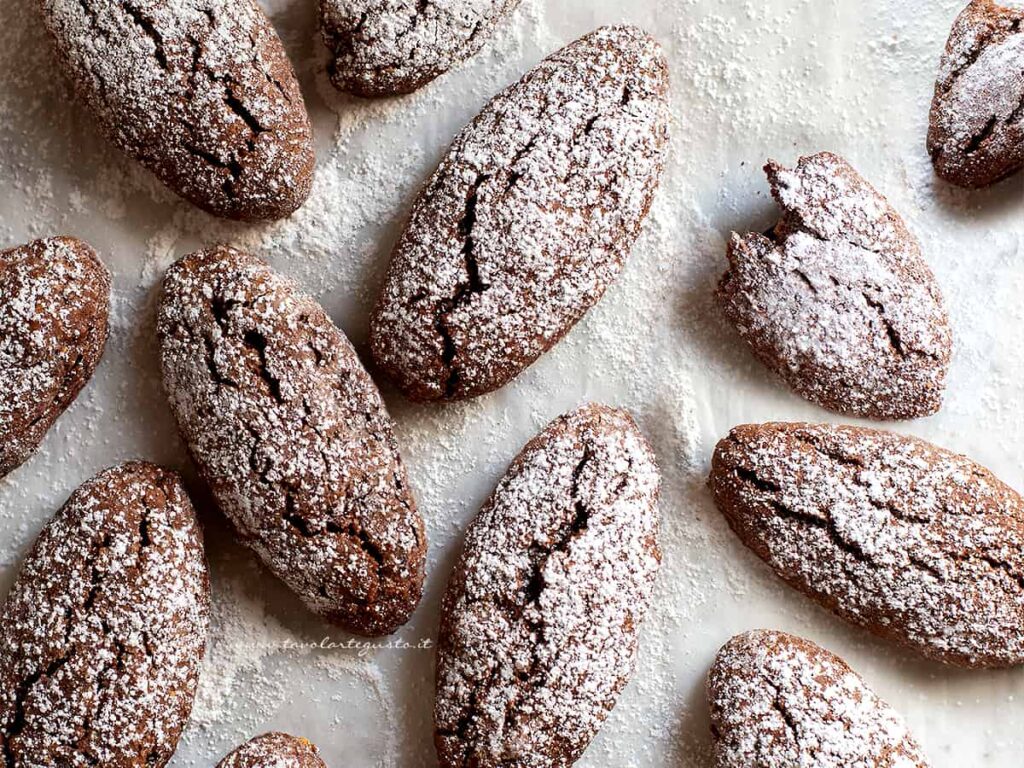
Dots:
pixel 292 437
pixel 388 47
pixel 527 220
pixel 540 620
pixel 198 91
pixel 779 701
pixel 837 300
pixel 274 750
pixel 976 128
pixel 54 300
pixel 104 629
pixel 915 543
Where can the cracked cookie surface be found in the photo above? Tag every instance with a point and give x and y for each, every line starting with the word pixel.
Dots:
pixel 976 127
pixel 527 220
pixel 198 91
pixel 915 543
pixel 54 302
pixel 274 750
pixel 540 620
pixel 104 629
pixel 292 436
pixel 779 701
pixel 389 47
pixel 837 299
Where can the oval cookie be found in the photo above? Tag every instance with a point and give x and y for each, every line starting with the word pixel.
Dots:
pixel 837 299
pixel 105 627
pixel 198 91
pixel 779 701
pixel 389 47
pixel 527 220
pixel 274 750
pixel 292 436
pixel 54 301
pixel 976 127
pixel 912 542
pixel 540 620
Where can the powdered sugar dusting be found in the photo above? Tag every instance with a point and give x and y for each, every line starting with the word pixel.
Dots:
pixel 779 701
pixel 539 624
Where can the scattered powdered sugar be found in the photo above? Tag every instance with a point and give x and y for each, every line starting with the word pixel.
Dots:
pixel 539 624
pixel 384 47
pixel 837 299
pixel 913 542
pixel 779 701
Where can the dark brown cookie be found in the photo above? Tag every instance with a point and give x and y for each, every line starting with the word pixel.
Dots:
pixel 388 47
pixel 292 437
pixel 198 91
pixel 527 220
pixel 779 701
pixel 915 543
pixel 540 620
pixel 54 300
pixel 103 632
pixel 837 300
pixel 976 129
pixel 274 750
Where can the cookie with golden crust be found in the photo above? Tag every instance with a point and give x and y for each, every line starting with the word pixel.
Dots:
pixel 200 92
pixel 779 701
pixel 527 220
pixel 976 126
pixel 292 437
pixel 914 543
pixel 540 622
pixel 103 632
pixel 54 302
pixel 274 750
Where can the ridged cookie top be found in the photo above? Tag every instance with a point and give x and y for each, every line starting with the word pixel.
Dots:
pixel 527 220
pixel 976 131
pixel 103 632
pixel 54 300
pixel 837 300
pixel 199 91
pixel 293 438
pixel 779 701
pixel 540 620
pixel 913 542
pixel 274 750
pixel 387 47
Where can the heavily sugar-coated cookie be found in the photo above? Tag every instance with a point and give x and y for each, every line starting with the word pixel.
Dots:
pixel 837 300
pixel 915 543
pixel 292 436
pixel 527 220
pixel 54 301
pixel 388 47
pixel 103 632
pixel 976 130
pixel 779 701
pixel 198 91
pixel 540 620
pixel 274 750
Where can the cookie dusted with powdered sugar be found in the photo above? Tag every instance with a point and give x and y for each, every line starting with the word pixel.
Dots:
pixel 54 301
pixel 527 220
pixel 103 632
pixel 837 299
pixel 274 750
pixel 915 543
pixel 540 620
pixel 198 91
pixel 292 436
pixel 976 128
pixel 779 701
pixel 388 47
